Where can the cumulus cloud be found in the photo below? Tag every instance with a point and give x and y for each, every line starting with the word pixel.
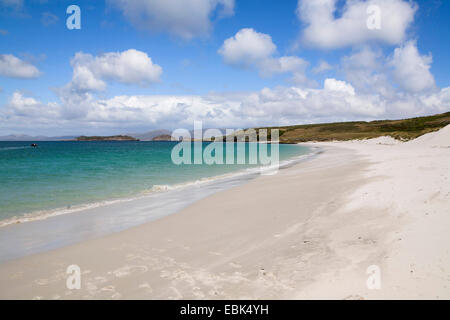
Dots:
pixel 28 107
pixel 247 47
pixel 334 85
pixel 366 70
pixel 184 18
pixel 91 74
pixel 404 71
pixel 13 67
pixel 251 49
pixel 128 67
pixel 324 30
pixel 337 100
pixel 411 69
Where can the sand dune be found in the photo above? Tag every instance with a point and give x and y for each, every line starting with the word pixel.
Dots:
pixel 411 185
pixel 438 139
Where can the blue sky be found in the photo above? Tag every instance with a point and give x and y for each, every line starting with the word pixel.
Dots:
pixel 243 82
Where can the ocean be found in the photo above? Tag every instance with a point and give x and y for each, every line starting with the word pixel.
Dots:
pixel 70 175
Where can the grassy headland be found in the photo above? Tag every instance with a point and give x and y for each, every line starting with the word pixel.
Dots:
pixel 405 129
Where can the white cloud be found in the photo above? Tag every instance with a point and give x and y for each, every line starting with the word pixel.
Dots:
pixel 324 30
pixel 282 65
pixel 91 73
pixel 183 18
pixel 364 58
pixel 13 67
pixel 323 66
pixel 411 69
pixel 366 70
pixel 251 49
pixel 128 67
pixel 405 71
pixel 337 100
pixel 247 47
pixel 28 107
pixel 339 86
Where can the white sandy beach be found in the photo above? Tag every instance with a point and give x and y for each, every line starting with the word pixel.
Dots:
pixel 310 231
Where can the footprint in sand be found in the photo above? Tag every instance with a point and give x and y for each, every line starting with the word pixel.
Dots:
pixel 164 274
pixel 108 289
pixel 127 270
pixel 99 280
pixel 130 257
pixel 146 286
pixel 235 265
pixel 112 291
pixel 41 282
pixel 116 296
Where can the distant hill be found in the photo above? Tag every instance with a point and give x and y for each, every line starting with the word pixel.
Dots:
pixel 24 137
pixel 163 137
pixel 107 138
pixel 148 136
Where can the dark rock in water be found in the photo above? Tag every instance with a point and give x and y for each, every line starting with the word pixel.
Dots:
pixel 34 145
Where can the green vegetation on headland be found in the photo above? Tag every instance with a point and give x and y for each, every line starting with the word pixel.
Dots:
pixel 107 138
pixel 405 129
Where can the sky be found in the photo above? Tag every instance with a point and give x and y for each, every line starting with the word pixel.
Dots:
pixel 138 65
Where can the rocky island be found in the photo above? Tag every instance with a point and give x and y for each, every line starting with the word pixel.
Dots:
pixel 106 138
pixel 163 137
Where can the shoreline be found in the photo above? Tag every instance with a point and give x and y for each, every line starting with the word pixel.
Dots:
pixel 58 228
pixel 185 241
pixel 309 232
pixel 49 213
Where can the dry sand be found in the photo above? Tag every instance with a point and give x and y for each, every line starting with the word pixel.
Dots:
pixel 311 231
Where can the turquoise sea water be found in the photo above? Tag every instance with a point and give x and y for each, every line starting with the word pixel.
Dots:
pixel 68 173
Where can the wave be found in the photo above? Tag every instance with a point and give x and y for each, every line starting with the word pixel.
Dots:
pixel 14 148
pixel 155 189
